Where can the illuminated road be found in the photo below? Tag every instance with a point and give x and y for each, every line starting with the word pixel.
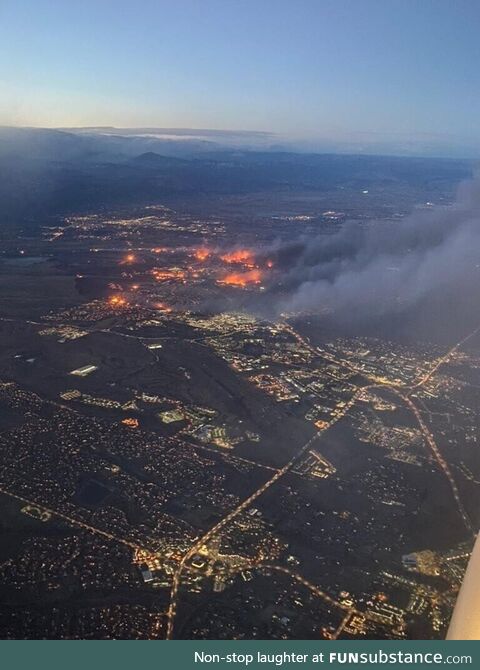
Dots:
pixel 434 449
pixel 444 359
pixel 438 457
pixel 74 522
pixel 240 508
pixel 349 609
pixel 171 614
pixel 395 388
pixel 343 623
pixel 381 382
pixel 402 391
pixel 314 589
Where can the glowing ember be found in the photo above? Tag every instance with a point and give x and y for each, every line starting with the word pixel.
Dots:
pixel 241 256
pixel 269 264
pixel 202 254
pixel 117 301
pixel 163 307
pixel 159 250
pixel 128 259
pixel 242 279
pixel 135 287
pixel 168 274
pixel 130 422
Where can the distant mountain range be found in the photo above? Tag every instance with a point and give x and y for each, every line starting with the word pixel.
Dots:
pixel 94 143
pixel 45 172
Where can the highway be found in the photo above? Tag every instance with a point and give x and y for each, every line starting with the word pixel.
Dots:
pixel 444 359
pixel 375 382
pixel 240 508
pixel 314 589
pixel 403 392
pixel 405 397
pixel 429 439
pixel 350 610
pixel 439 458
pixel 74 522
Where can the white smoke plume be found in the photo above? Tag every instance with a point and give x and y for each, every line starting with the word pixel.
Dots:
pixel 388 267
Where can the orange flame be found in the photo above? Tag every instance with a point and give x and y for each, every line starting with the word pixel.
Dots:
pixel 242 256
pixel 128 259
pixel 162 306
pixel 130 422
pixel 242 279
pixel 117 301
pixel 202 254
pixel 168 273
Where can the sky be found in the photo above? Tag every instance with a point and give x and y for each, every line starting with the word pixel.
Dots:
pixel 301 68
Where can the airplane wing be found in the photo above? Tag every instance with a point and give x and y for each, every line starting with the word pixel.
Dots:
pixel 465 622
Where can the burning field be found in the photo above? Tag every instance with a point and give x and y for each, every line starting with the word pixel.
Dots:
pixel 244 257
pixel 247 268
pixel 189 277
pixel 242 279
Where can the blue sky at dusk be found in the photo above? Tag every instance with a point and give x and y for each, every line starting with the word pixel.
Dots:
pixel 302 68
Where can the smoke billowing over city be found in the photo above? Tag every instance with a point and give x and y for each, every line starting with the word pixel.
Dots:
pixel 370 270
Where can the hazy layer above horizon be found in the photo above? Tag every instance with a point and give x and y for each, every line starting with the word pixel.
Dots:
pixel 398 77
